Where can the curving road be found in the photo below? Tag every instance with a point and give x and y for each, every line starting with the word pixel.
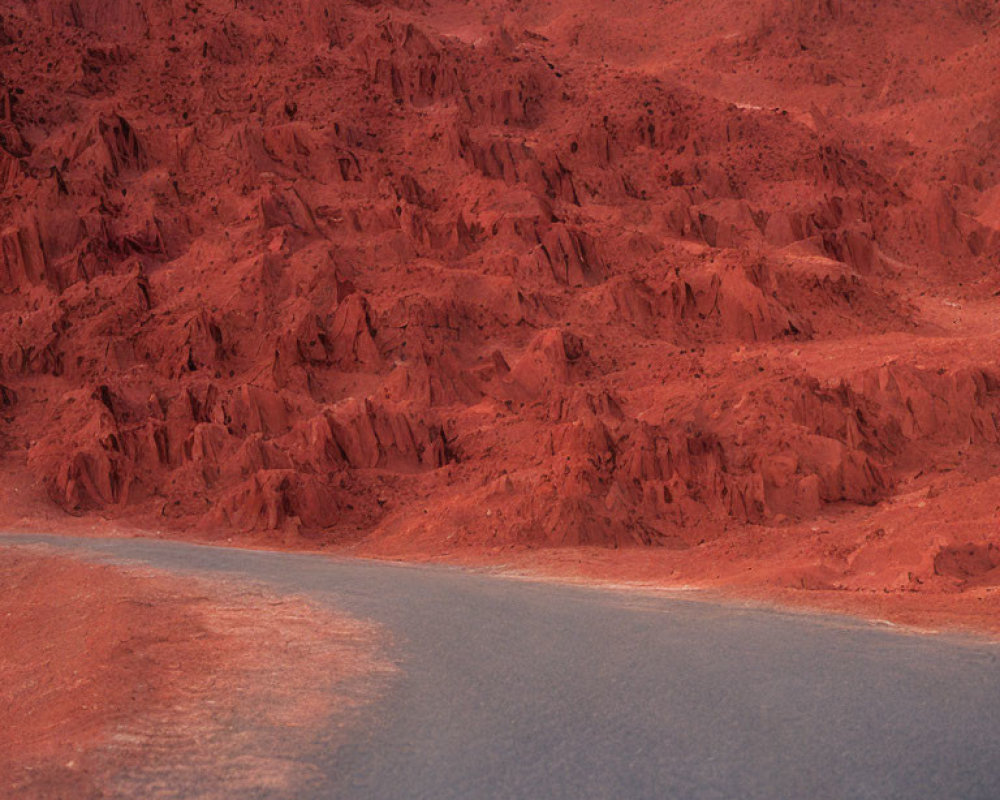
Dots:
pixel 517 689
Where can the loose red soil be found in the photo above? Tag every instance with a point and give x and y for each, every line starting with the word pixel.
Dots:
pixel 708 289
pixel 110 675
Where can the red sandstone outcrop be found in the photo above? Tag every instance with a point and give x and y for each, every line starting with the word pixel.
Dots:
pixel 318 267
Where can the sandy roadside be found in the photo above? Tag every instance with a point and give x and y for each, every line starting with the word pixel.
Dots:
pixel 126 681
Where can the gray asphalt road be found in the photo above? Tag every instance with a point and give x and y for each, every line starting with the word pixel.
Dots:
pixel 513 689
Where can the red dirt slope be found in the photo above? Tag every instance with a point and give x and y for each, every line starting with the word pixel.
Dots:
pixel 717 277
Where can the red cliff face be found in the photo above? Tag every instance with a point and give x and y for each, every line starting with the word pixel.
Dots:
pixel 630 274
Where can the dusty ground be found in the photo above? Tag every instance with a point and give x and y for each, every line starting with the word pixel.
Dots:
pixel 112 676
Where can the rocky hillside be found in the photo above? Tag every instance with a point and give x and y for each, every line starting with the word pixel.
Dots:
pixel 503 272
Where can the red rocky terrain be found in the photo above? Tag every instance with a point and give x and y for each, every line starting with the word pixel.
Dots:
pixel 713 279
